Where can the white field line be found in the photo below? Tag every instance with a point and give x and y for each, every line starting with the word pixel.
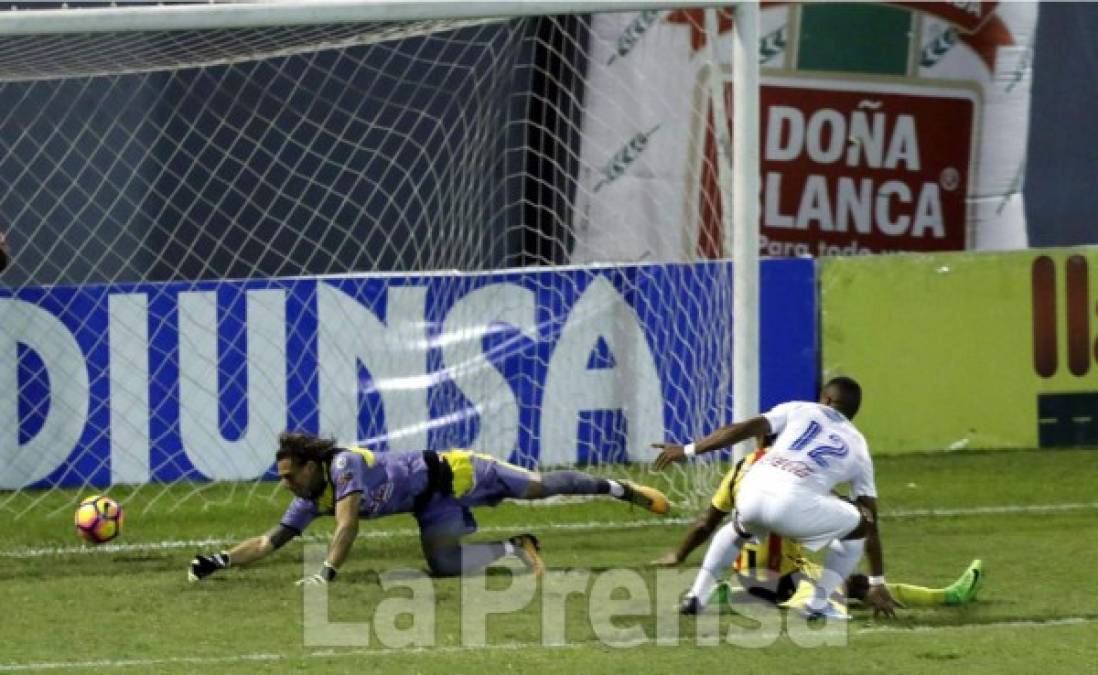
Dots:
pixel 990 510
pixel 399 533
pixel 137 663
pixel 105 664
pixel 237 658
pixel 1051 623
pixel 1010 509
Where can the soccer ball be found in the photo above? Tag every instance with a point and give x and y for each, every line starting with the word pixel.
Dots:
pixel 99 519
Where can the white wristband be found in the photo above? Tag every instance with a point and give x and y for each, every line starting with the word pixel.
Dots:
pixel 689 450
pixel 877 581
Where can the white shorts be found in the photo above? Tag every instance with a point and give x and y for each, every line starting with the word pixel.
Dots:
pixel 813 519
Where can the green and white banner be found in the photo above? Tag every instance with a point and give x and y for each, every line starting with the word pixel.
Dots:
pixel 884 127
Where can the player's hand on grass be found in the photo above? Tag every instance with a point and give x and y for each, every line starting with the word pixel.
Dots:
pixel 669 559
pixel 881 601
pixel 204 565
pixel 669 452
pixel 326 574
pixel 311 580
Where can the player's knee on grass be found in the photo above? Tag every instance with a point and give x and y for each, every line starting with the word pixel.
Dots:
pixel 452 559
pixel 443 560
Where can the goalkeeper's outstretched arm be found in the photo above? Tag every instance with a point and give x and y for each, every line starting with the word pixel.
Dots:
pixel 245 552
pixel 346 513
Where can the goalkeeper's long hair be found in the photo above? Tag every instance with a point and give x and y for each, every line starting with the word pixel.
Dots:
pixel 301 447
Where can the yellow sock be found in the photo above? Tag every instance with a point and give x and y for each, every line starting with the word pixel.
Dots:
pixel 917 596
pixel 804 593
pixel 801 597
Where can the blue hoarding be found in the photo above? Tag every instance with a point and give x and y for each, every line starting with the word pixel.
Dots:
pixel 180 381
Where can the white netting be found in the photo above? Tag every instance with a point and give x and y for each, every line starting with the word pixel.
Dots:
pixel 170 198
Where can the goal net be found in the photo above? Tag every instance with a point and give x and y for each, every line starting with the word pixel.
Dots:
pixel 368 230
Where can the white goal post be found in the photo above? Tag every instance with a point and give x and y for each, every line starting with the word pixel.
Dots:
pixel 189 15
pixel 353 217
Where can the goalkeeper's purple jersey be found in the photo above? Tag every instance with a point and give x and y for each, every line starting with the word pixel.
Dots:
pixel 389 483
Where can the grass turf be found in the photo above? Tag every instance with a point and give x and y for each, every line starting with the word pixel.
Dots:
pixel 131 608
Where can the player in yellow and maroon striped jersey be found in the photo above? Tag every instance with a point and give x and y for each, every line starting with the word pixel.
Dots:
pixel 773 568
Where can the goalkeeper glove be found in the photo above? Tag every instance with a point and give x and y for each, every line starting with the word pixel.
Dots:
pixel 204 565
pixel 326 574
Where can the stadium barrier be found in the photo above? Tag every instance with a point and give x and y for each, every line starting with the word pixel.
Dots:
pixel 541 367
pixel 966 350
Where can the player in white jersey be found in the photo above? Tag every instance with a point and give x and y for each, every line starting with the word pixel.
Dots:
pixel 788 493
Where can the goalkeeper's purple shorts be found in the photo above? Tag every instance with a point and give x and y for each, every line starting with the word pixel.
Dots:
pixel 479 480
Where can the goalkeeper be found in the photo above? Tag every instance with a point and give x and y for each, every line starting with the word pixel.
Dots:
pixel 772 568
pixel 438 488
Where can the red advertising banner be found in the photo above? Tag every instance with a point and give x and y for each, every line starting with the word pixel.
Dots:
pixel 848 170
pixel 884 127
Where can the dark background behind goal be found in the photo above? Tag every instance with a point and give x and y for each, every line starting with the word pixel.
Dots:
pixel 173 176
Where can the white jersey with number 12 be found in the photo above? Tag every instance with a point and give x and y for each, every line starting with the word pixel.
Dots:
pixel 816 448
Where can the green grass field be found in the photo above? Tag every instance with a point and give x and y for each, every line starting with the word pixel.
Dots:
pixel 1031 516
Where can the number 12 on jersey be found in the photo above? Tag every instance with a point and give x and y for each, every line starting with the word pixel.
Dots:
pixel 837 447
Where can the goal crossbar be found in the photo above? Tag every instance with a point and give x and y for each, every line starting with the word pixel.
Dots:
pixel 269 13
